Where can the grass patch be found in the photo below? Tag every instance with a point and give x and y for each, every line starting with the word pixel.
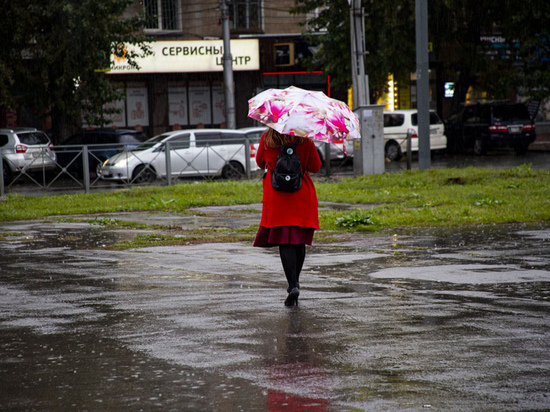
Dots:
pixel 188 237
pixel 446 197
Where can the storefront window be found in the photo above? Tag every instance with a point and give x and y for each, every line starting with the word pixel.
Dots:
pixel 200 109
pixel 177 101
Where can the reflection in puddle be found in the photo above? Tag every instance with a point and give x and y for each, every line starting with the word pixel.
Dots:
pixel 297 380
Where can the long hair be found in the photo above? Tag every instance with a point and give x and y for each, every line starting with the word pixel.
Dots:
pixel 275 139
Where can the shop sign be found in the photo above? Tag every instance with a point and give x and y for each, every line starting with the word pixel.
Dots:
pixel 189 56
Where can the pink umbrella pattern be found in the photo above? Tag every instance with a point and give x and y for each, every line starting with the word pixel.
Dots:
pixel 306 113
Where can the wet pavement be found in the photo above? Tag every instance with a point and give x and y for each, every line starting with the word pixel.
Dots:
pixel 420 319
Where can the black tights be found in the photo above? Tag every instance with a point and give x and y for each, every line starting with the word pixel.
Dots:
pixel 292 257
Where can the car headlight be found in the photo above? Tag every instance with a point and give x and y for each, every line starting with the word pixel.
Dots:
pixel 122 162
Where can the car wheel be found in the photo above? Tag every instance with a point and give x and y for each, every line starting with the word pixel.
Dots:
pixel 98 169
pixel 95 165
pixel 7 173
pixel 233 170
pixel 143 174
pixel 393 150
pixel 479 147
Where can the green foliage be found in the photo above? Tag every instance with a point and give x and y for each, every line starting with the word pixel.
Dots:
pixel 444 197
pixel 388 40
pixel 487 201
pixel 355 218
pixel 53 49
pixel 104 222
pixel 456 29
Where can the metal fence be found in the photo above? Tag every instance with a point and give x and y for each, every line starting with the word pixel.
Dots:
pixel 77 168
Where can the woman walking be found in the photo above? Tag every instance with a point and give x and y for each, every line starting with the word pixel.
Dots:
pixel 289 219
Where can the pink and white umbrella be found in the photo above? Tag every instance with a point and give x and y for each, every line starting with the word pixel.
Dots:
pixel 305 113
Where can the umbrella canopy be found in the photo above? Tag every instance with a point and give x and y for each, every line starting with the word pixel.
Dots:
pixel 305 113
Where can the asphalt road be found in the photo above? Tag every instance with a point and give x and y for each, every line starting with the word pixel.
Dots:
pixel 431 319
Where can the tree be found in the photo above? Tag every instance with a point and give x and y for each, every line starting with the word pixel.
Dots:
pixel 389 44
pixel 496 47
pixel 461 32
pixel 54 54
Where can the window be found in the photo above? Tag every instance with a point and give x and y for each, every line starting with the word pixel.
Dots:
pixel 246 14
pixel 470 115
pixel 233 138
pixel 434 119
pixel 180 142
pixel 393 120
pixel 162 14
pixel 284 54
pixel 33 138
pixel 207 139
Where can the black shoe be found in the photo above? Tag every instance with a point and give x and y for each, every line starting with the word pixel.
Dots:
pixel 289 289
pixel 292 298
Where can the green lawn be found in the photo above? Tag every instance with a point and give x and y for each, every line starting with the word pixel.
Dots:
pixel 446 197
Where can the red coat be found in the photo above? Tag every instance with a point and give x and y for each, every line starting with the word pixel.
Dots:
pixel 298 208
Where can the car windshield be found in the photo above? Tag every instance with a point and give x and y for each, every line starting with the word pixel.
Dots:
pixel 151 142
pixel 33 138
pixel 510 113
pixel 129 139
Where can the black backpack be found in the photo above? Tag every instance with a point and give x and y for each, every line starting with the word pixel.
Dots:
pixel 287 175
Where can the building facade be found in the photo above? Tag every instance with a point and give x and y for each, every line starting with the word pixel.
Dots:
pixel 181 85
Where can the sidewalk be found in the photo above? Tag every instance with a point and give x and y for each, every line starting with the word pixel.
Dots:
pixel 440 319
pixel 542 143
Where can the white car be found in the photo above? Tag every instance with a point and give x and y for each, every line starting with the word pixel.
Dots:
pixel 195 152
pixel 399 122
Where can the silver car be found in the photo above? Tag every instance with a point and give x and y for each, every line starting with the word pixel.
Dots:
pixel 25 150
pixel 195 152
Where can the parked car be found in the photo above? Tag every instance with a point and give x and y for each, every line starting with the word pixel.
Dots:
pixel 25 150
pixel 195 152
pixel 398 123
pixel 484 126
pixel 254 133
pixel 102 144
pixel 337 149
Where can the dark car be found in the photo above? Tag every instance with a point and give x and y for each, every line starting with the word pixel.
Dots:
pixel 485 126
pixel 101 144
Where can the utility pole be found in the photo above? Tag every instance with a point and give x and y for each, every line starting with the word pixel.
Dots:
pixel 358 53
pixel 228 68
pixel 422 83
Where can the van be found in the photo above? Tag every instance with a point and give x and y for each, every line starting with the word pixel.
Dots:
pixel 194 152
